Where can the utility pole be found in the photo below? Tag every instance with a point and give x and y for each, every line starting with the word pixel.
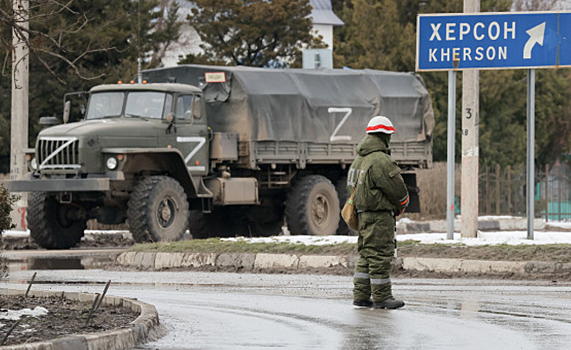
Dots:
pixel 470 140
pixel 19 118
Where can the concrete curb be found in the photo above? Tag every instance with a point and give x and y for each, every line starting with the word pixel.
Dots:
pixel 246 261
pixel 143 328
pixel 251 261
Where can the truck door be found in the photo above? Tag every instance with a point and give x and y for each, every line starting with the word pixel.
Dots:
pixel 192 132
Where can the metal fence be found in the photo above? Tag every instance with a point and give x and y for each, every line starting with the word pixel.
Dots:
pixel 502 191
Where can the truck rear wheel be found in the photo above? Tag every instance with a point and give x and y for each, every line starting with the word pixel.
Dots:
pixel 312 207
pixel 54 225
pixel 158 210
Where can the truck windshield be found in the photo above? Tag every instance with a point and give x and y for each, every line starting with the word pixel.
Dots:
pixel 146 104
pixel 105 105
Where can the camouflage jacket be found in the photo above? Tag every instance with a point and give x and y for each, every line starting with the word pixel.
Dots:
pixel 380 185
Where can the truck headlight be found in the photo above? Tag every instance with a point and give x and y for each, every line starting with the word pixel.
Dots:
pixel 34 164
pixel 111 163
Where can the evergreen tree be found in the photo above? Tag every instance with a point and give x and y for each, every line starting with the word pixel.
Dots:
pixel 252 32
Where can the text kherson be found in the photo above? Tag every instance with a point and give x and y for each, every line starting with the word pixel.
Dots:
pixel 465 31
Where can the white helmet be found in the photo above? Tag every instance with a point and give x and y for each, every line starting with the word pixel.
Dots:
pixel 380 124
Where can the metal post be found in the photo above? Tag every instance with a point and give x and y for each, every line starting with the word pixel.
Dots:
pixel 139 71
pixel 546 192
pixel 530 151
pixel 451 148
pixel 470 139
pixel 19 118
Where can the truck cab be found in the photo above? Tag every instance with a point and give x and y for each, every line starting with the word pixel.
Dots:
pixel 148 134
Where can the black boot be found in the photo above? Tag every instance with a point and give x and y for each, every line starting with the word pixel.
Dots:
pixel 362 304
pixel 389 303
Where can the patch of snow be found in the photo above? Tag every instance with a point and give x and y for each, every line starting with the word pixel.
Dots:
pixel 14 315
pixel 484 238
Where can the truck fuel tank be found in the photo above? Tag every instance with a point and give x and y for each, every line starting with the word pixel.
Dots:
pixel 234 191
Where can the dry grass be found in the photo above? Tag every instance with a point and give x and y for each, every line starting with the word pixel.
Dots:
pixel 432 185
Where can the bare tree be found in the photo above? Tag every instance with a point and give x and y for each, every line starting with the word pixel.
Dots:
pixel 65 34
pixel 48 44
pixel 537 5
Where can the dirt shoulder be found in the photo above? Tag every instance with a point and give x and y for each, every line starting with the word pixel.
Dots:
pixel 503 252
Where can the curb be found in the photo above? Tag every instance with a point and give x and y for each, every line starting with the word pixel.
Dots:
pixel 246 261
pixel 143 328
pixel 252 261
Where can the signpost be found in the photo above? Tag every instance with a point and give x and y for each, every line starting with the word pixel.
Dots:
pixel 449 42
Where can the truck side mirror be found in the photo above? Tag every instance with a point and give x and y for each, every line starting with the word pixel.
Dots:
pixel 66 110
pixel 170 118
pixel 48 121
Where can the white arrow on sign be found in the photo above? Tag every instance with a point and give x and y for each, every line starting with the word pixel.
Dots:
pixel 535 37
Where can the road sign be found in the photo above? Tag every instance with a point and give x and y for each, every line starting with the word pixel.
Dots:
pixel 493 40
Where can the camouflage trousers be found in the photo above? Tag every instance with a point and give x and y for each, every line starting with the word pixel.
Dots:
pixel 376 246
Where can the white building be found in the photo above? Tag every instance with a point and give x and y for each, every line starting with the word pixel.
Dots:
pixel 324 19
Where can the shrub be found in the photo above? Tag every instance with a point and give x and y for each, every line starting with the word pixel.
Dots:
pixel 6 202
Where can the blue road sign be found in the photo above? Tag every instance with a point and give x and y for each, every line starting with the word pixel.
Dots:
pixel 493 40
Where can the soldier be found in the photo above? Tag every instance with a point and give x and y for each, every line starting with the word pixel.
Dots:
pixel 379 197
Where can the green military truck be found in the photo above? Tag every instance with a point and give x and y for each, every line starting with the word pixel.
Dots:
pixel 220 151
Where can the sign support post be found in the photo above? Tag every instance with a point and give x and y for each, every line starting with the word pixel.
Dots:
pixel 530 196
pixel 450 149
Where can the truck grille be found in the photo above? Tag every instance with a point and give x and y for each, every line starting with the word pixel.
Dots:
pixel 58 153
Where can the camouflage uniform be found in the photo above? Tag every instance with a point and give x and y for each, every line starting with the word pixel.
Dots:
pixel 380 192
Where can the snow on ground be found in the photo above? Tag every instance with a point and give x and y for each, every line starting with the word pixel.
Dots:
pixel 13 315
pixel 484 238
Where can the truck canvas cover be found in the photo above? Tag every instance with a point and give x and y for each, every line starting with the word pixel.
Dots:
pixel 262 104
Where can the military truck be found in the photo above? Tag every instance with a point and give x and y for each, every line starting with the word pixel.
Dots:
pixel 220 151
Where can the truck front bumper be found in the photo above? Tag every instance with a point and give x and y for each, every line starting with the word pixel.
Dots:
pixel 58 185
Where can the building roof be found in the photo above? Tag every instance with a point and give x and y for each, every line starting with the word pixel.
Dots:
pixel 322 13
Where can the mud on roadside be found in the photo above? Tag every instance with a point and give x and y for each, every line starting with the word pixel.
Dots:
pixel 64 317
pixel 90 240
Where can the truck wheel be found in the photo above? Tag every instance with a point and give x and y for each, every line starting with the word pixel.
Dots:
pixel 158 210
pixel 341 187
pixel 54 225
pixel 312 207
pixel 222 222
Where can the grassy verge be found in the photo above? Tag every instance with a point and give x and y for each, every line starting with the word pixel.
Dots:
pixel 215 245
pixel 549 252
pixel 503 252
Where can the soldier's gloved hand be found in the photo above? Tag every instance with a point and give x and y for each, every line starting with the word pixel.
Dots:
pixel 399 212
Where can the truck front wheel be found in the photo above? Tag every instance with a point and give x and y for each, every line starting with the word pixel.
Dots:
pixel 158 210
pixel 55 225
pixel 312 207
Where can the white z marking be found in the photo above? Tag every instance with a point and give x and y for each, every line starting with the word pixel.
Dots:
pixel 201 141
pixel 334 136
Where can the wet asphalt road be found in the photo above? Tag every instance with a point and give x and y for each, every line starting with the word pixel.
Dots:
pixel 258 311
